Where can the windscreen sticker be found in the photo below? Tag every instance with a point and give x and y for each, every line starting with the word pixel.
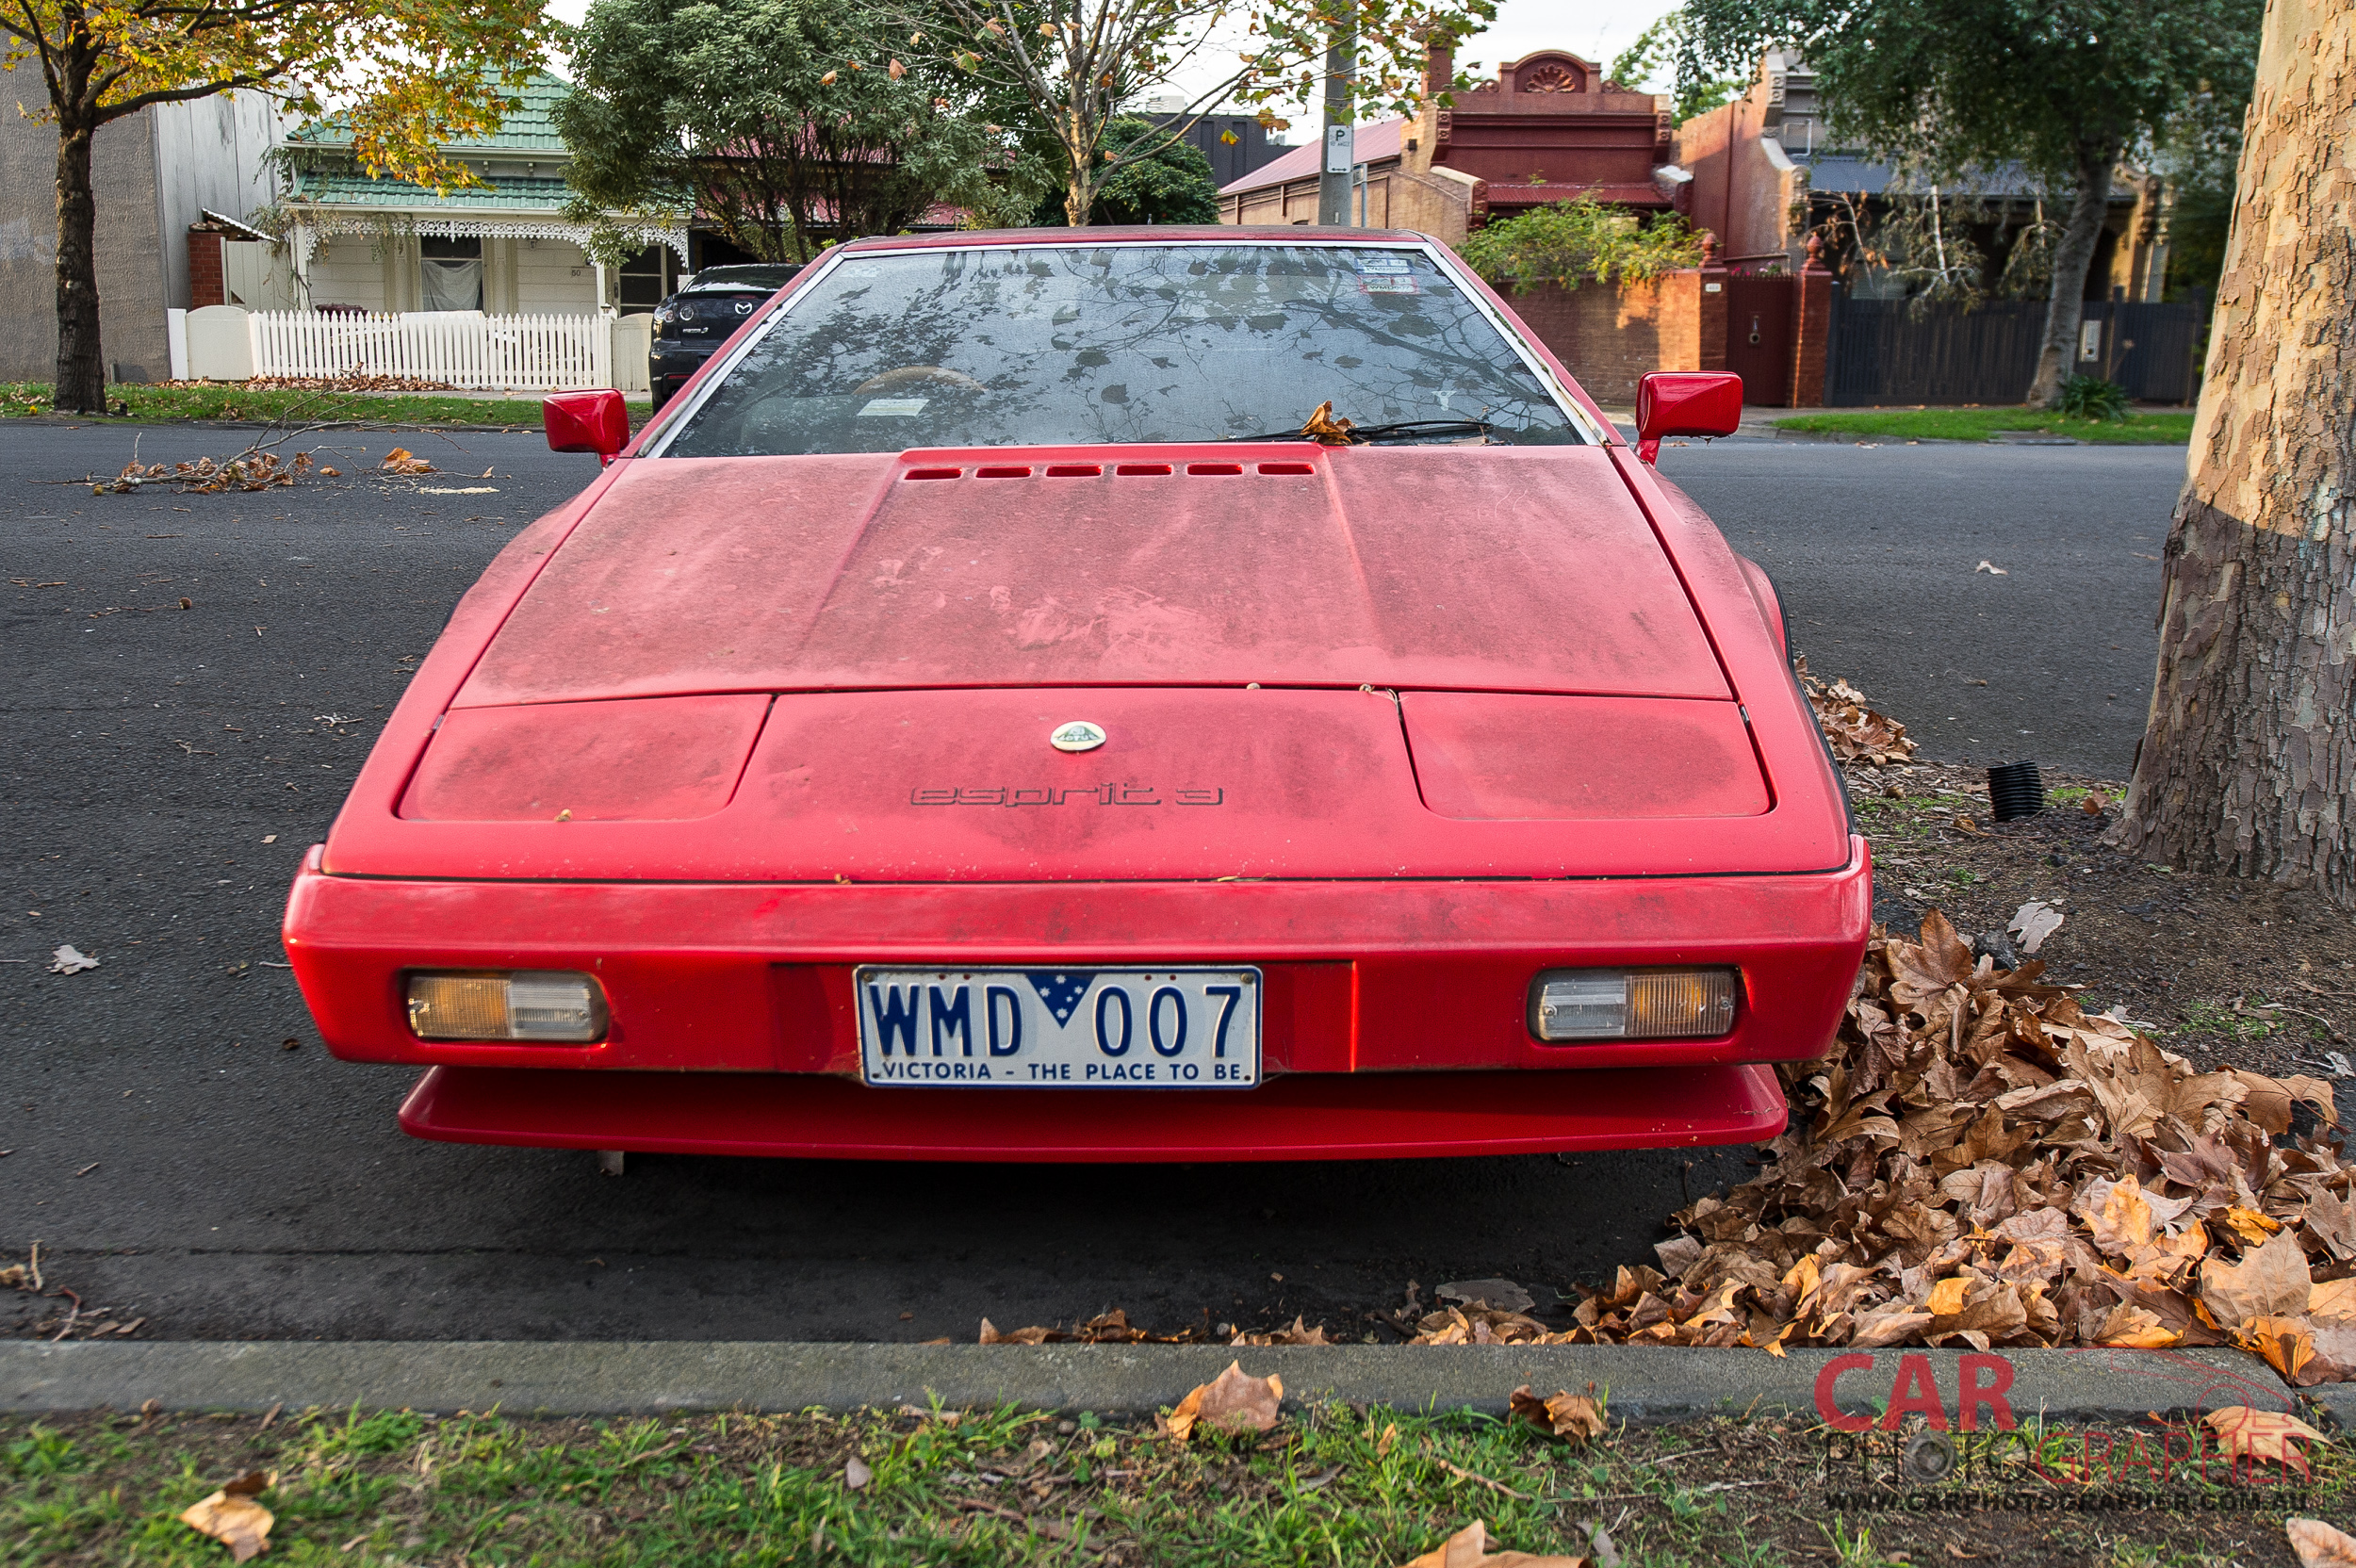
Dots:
pixel 891 407
pixel 1383 284
pixel 1379 264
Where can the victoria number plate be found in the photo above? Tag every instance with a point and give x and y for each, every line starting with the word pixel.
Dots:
pixel 1061 1028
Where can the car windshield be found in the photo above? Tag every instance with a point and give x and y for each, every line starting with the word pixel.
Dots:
pixel 1083 344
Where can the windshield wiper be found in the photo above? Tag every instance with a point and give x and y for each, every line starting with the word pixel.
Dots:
pixel 1412 427
pixel 1402 429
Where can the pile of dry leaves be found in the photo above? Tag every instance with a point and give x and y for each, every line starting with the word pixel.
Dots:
pixel 1858 734
pixel 249 470
pixel 1981 1162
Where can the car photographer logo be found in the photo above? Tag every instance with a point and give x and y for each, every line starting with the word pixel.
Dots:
pixel 1924 1452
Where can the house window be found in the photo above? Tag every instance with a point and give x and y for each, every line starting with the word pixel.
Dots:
pixel 647 279
pixel 449 273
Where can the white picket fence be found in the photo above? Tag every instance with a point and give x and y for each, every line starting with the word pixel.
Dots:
pixel 465 348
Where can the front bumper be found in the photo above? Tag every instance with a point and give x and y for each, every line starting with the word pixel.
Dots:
pixel 1394 1017
pixel 1306 1115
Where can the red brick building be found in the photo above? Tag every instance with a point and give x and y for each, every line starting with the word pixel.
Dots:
pixel 1546 129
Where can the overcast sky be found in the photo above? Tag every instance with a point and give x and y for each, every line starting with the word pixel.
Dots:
pixel 1591 28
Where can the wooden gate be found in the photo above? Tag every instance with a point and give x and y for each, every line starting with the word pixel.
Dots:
pixel 1758 337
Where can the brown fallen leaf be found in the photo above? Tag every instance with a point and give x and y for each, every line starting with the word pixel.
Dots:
pixel 2320 1545
pixel 1322 427
pixel 2262 1435
pixel 231 1517
pixel 2288 1344
pixel 1297 1334
pixel 1230 1402
pixel 1576 1416
pixel 401 460
pixel 2271 1281
pixel 1469 1548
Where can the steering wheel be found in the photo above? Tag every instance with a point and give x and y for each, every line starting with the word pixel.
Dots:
pixel 907 375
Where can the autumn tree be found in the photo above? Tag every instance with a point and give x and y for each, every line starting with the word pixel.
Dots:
pixel 2248 763
pixel 1171 184
pixel 1074 64
pixel 406 75
pixel 1949 88
pixel 782 122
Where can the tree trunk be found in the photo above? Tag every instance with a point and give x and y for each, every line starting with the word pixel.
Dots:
pixel 2058 357
pixel 1079 196
pixel 81 372
pixel 2248 762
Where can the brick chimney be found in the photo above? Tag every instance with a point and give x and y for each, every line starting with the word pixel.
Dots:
pixel 206 284
pixel 1439 64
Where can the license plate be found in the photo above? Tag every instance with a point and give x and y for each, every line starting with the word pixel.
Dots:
pixel 1059 1028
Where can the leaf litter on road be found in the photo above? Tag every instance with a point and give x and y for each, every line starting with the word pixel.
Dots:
pixel 1979 1162
pixel 1855 732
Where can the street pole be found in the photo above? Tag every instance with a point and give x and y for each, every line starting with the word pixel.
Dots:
pixel 1341 66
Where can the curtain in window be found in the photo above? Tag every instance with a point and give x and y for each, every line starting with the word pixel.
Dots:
pixel 451 285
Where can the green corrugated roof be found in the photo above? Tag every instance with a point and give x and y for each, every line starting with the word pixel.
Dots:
pixel 530 128
pixel 505 193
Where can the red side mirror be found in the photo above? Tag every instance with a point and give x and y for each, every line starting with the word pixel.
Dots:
pixel 586 422
pixel 1685 402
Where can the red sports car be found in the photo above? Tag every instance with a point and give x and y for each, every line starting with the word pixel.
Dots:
pixel 1170 695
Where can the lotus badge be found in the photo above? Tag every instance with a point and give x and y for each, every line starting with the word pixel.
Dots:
pixel 1078 735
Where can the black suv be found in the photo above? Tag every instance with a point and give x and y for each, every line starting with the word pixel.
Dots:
pixel 708 308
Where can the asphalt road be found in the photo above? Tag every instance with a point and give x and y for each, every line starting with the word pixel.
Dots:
pixel 178 1159
pixel 1876 549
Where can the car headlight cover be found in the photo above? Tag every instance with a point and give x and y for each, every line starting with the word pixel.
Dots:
pixel 1632 1003
pixel 556 1006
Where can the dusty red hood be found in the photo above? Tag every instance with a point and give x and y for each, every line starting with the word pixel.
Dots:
pixel 1435 567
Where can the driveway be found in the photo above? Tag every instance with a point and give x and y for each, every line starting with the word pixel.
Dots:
pixel 183 1149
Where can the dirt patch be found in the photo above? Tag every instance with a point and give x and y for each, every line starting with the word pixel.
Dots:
pixel 2229 973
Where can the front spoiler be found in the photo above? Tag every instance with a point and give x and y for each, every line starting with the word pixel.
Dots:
pixel 1300 1117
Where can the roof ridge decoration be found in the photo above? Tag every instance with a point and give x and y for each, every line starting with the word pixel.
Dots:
pixel 311 226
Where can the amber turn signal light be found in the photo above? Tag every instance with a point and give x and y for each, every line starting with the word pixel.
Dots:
pixel 548 1007
pixel 1632 1003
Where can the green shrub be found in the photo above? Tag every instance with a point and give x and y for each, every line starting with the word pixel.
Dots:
pixel 2092 398
pixel 1570 242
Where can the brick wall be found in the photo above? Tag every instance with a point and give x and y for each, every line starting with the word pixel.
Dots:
pixel 1610 336
pixel 1811 330
pixel 206 287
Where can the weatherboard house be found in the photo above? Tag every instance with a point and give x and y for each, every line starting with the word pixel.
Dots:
pixel 506 247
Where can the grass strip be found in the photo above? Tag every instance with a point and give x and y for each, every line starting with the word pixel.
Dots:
pixel 1982 424
pixel 1335 1484
pixel 267 405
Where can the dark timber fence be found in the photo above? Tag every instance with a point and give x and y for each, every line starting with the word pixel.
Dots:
pixel 1883 351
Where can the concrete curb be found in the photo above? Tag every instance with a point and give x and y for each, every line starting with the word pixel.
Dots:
pixel 593 1379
